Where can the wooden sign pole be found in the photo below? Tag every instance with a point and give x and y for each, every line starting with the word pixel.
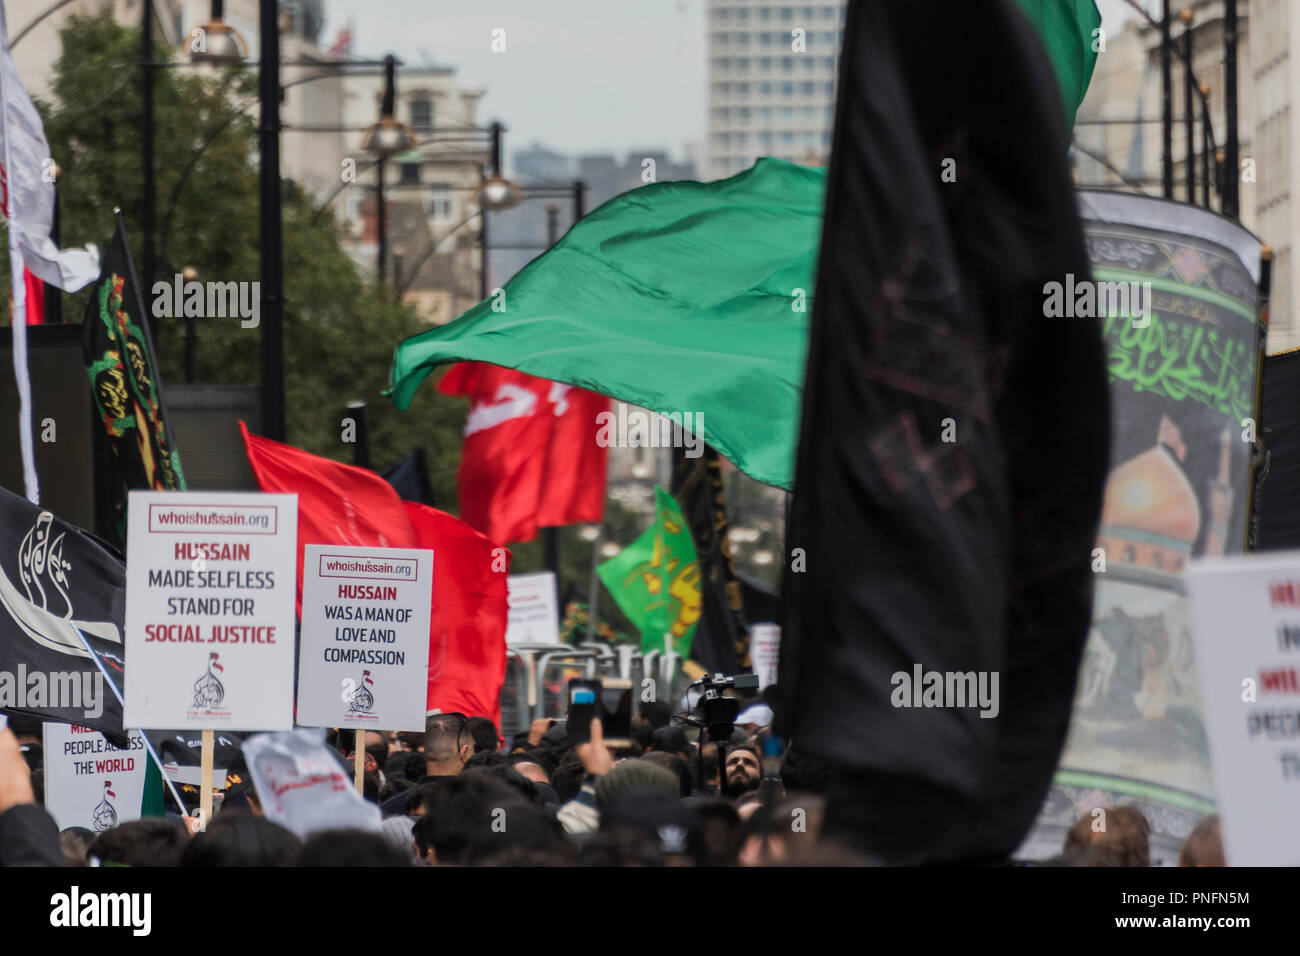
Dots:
pixel 360 747
pixel 205 781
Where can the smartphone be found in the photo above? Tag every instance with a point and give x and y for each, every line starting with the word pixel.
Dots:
pixel 584 695
pixel 616 712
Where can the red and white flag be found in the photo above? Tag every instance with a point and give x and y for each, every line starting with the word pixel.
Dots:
pixel 530 458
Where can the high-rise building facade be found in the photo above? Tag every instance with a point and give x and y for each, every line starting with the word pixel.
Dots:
pixel 772 72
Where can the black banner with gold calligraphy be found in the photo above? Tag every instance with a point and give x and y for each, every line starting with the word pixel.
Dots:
pixel 721 640
pixel 124 376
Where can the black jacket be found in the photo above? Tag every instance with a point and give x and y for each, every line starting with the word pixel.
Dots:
pixel 29 837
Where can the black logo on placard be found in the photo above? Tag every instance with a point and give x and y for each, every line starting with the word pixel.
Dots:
pixel 362 699
pixel 208 689
pixel 104 816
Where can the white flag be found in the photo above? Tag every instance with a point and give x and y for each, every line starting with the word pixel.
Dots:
pixel 27 186
pixel 301 785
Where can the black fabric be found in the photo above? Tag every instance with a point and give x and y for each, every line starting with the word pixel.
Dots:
pixel 58 580
pixel 721 641
pixel 123 374
pixel 410 479
pixel 969 555
pixel 1276 517
pixel 29 837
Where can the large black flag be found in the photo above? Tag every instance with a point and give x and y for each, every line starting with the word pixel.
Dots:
pixel 954 440
pixel 56 581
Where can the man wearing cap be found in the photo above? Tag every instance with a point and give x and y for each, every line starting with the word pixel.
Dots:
pixel 753 718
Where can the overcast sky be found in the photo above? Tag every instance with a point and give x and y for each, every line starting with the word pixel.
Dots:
pixel 578 75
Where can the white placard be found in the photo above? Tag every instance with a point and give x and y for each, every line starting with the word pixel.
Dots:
pixel 533 616
pixel 364 655
pixel 301 786
pixel 210 587
pixel 89 782
pixel 765 652
pixel 1246 621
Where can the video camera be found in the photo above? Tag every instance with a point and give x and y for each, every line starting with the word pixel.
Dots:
pixel 718 713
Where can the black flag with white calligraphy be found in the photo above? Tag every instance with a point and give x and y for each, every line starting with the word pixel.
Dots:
pixel 59 585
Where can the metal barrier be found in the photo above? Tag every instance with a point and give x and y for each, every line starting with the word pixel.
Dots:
pixel 534 683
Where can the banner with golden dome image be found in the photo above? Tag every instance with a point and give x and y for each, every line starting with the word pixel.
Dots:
pixel 1183 365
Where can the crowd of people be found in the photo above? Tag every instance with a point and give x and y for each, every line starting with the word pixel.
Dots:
pixel 460 795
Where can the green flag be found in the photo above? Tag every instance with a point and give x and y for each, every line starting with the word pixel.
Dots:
pixel 656 579
pixel 1071 32
pixel 691 299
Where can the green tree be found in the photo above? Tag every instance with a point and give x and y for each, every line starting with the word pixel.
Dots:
pixel 339 329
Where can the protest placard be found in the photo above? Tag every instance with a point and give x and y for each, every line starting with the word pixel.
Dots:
pixel 1246 622
pixel 364 654
pixel 765 651
pixel 533 616
pixel 210 587
pixel 89 782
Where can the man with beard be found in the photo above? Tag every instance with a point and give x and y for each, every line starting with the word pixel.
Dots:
pixel 744 771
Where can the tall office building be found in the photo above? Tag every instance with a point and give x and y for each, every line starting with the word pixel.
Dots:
pixel 772 71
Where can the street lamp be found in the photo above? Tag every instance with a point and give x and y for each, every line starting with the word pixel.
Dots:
pixel 495 193
pixel 383 140
pixel 217 43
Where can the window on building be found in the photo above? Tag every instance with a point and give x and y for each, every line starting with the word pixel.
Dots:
pixel 807 88
pixel 787 64
pixel 742 63
pixel 410 174
pixel 422 114
pixel 765 14
pixel 439 199
pixel 765 89
pixel 787 89
pixel 787 13
pixel 765 64
pixel 742 89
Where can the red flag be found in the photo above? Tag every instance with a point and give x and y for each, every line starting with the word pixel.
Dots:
pixel 530 458
pixel 467 631
pixel 35 305
pixel 337 504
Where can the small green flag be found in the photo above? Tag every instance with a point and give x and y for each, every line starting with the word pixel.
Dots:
pixel 656 580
